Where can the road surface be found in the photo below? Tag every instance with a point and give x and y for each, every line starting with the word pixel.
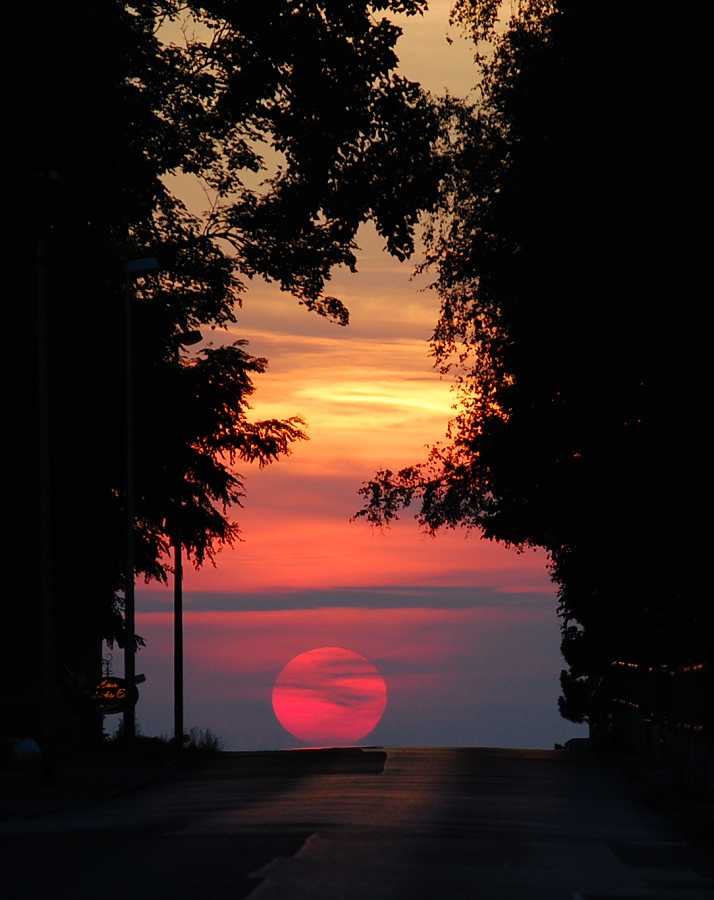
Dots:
pixel 403 824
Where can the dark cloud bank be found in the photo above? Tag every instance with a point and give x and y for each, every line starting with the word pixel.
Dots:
pixel 370 597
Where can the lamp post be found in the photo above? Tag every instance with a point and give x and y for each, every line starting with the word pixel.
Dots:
pixel 133 269
pixel 185 339
pixel 48 686
pixel 47 776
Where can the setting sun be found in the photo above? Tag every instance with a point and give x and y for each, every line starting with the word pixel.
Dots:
pixel 329 696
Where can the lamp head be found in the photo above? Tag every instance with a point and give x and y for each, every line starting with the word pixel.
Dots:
pixel 187 338
pixel 135 268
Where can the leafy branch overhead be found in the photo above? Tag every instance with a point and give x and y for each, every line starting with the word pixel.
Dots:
pixel 293 119
pixel 306 95
pixel 204 429
pixel 568 259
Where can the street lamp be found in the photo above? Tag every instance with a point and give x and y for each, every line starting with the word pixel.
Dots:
pixel 185 339
pixel 48 684
pixel 135 268
pixel 47 777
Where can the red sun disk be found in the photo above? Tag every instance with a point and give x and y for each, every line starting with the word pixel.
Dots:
pixel 329 696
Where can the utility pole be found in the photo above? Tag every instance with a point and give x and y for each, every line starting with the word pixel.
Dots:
pixel 48 679
pixel 47 776
pixel 184 339
pixel 134 269
pixel 178 629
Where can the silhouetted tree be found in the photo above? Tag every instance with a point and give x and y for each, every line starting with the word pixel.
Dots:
pixel 103 109
pixel 570 266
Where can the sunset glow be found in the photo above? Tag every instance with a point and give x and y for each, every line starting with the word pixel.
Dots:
pixel 483 674
pixel 371 398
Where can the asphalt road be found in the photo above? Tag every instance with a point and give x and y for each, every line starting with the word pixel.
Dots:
pixel 403 824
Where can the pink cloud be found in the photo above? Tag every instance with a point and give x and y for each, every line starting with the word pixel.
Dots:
pixel 265 641
pixel 313 552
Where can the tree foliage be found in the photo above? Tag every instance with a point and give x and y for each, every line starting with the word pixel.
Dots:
pixel 569 257
pixel 291 117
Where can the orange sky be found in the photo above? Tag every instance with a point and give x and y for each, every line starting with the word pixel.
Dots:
pixel 371 398
pixel 305 576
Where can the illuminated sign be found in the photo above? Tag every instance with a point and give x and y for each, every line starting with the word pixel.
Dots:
pixel 110 695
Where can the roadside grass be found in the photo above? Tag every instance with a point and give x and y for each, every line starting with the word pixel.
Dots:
pixel 159 748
